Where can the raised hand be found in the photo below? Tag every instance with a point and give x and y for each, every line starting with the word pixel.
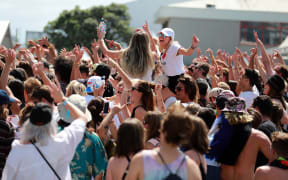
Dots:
pixel 3 50
pixel 238 51
pixel 258 41
pixel 44 41
pixel 28 56
pixel 253 51
pixel 95 46
pixel 86 49
pixel 195 41
pixel 55 91
pixel 210 51
pixel 199 52
pixel 276 53
pixel 63 52
pixel 37 50
pixel 212 71
pixel 117 108
pixel 32 43
pixel 229 61
pixel 110 43
pixel 146 27
pixel 16 46
pixel 38 68
pixel 10 56
pixel 219 52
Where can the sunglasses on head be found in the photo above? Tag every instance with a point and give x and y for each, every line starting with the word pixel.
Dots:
pixel 178 88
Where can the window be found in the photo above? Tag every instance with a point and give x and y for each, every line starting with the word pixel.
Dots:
pixel 270 33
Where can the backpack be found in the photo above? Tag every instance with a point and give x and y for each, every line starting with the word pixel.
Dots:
pixel 171 175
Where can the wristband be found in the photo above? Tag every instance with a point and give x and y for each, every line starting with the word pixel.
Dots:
pixel 65 102
pixel 193 47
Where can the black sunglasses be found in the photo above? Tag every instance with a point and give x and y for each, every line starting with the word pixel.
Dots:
pixel 133 88
pixel 190 69
pixel 178 88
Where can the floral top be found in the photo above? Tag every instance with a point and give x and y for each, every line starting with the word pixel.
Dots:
pixel 90 158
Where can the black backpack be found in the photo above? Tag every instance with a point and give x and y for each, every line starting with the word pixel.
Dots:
pixel 171 175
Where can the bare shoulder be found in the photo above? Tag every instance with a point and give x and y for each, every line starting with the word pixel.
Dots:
pixel 140 110
pixel 140 113
pixel 270 173
pixel 136 167
pixel 193 155
pixel 193 171
pixel 149 145
pixel 262 172
pixel 259 135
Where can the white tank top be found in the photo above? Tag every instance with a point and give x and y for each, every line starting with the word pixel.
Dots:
pixel 172 64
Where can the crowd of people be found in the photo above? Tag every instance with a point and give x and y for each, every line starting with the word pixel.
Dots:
pixel 141 113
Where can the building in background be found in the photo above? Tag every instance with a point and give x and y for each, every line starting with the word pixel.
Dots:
pixel 226 24
pixel 34 35
pixel 5 34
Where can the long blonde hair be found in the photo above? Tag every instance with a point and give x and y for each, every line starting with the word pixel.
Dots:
pixel 137 58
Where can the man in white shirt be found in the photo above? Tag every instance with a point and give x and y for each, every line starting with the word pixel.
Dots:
pixel 40 130
pixel 245 87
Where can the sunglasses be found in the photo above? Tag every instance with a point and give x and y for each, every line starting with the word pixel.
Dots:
pixel 178 88
pixel 190 69
pixel 134 88
pixel 161 35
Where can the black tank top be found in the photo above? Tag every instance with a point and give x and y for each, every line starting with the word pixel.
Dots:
pixel 134 109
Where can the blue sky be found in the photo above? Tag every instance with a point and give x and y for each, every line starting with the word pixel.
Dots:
pixel 33 15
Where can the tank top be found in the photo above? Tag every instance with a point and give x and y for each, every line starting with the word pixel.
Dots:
pixel 134 109
pixel 155 170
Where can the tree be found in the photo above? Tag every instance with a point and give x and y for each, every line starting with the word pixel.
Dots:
pixel 78 26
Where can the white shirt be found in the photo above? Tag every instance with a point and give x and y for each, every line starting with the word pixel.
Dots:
pixel 249 97
pixel 169 101
pixel 89 98
pixel 145 77
pixel 115 117
pixel 172 64
pixel 25 163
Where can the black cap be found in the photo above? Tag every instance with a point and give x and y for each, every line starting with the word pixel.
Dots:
pixel 41 114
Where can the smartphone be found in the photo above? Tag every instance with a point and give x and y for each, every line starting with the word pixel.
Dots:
pixel 106 107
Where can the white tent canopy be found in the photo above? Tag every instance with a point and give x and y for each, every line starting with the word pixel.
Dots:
pixel 5 35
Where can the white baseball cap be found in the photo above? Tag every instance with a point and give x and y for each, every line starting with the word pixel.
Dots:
pixel 94 82
pixel 168 32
